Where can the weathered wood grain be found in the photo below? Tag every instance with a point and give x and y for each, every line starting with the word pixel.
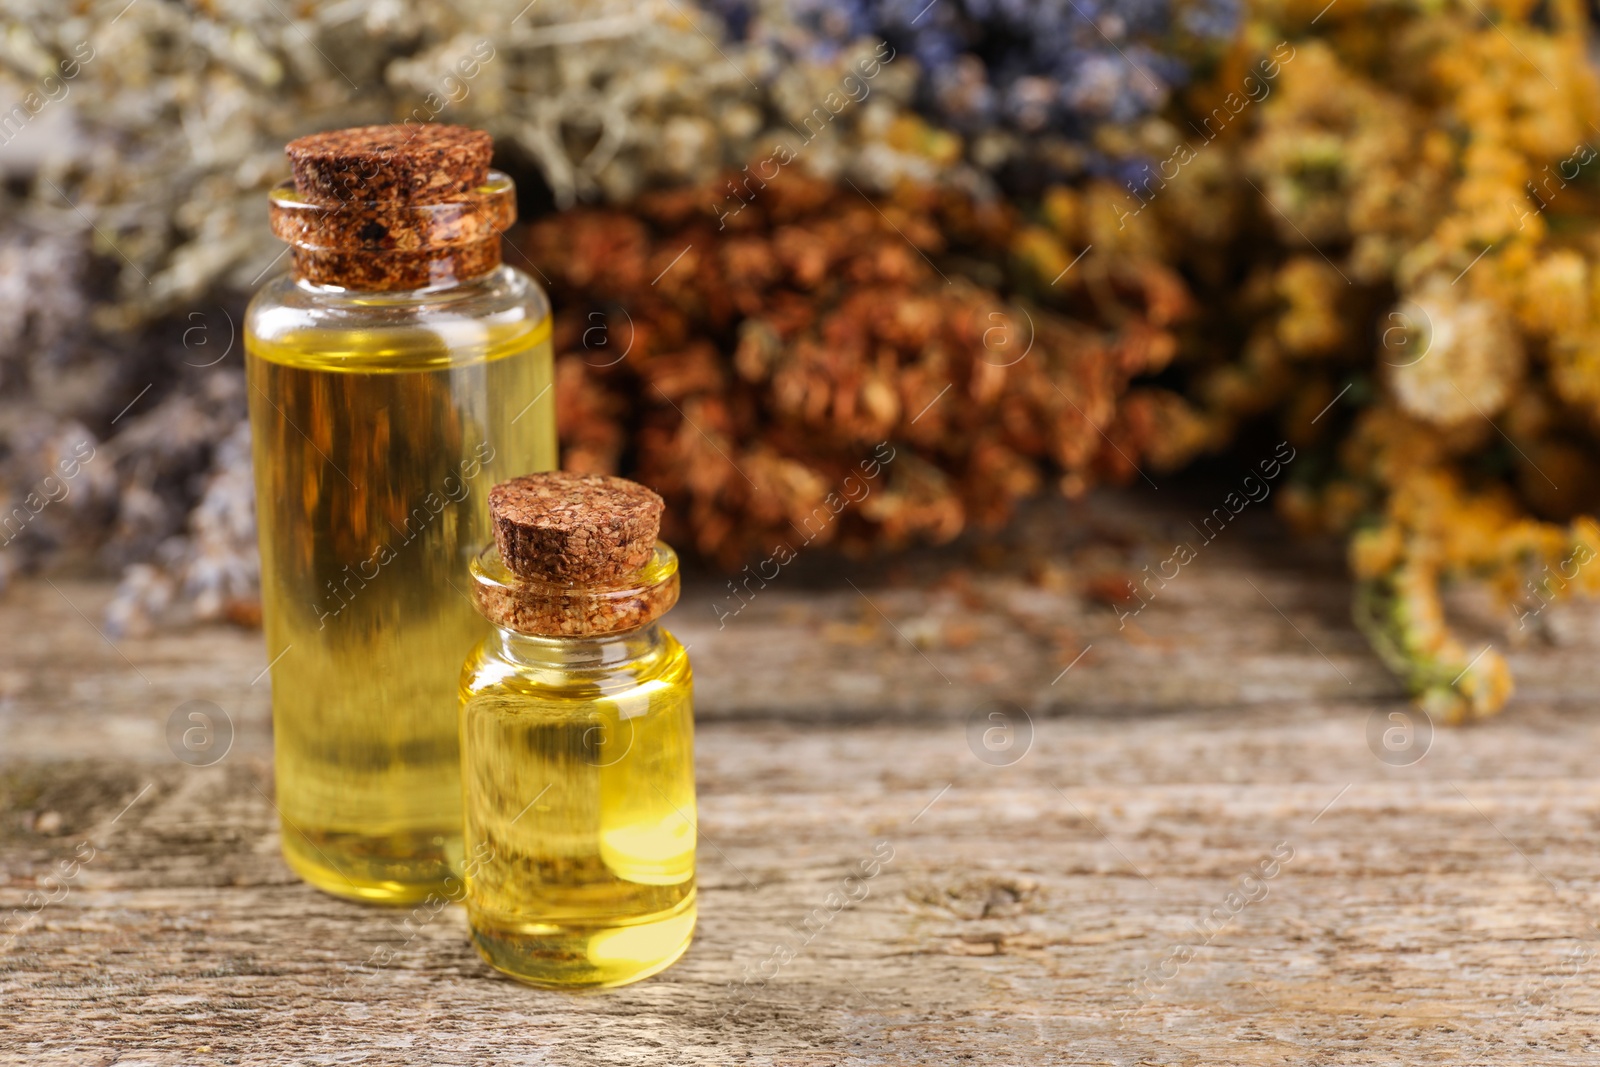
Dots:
pixel 1440 913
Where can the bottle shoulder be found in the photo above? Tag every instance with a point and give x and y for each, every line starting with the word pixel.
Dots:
pixel 489 671
pixel 504 308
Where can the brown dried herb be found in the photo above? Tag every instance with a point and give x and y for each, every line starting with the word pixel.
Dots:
pixel 789 364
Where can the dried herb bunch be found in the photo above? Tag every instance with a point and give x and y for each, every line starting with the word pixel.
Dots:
pixel 750 366
pixel 1409 213
pixel 1033 89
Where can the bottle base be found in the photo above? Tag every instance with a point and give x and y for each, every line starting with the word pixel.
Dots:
pixel 387 869
pixel 586 956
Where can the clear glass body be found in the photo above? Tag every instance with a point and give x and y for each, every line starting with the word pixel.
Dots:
pixel 577 758
pixel 380 420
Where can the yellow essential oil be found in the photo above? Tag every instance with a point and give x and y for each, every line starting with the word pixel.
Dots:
pixel 578 780
pixel 388 391
pixel 371 476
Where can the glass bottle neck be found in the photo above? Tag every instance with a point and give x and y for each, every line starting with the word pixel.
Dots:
pixel 604 652
pixel 427 269
pixel 394 244
pixel 448 288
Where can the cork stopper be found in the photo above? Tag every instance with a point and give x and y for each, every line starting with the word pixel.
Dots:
pixel 574 528
pixel 393 207
pixel 427 164
pixel 556 609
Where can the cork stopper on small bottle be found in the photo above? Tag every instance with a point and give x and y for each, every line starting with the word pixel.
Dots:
pixel 575 555
pixel 574 528
pixel 426 165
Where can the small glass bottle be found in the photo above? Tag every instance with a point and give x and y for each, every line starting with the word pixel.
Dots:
pixel 394 375
pixel 577 739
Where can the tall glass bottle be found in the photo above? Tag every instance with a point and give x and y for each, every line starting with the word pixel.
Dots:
pixel 395 374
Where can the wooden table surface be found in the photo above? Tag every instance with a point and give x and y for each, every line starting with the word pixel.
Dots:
pixel 1195 858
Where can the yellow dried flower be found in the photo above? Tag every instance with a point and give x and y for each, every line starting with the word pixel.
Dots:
pixel 1470 360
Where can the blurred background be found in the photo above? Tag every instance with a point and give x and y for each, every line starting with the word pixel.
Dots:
pixel 1335 260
